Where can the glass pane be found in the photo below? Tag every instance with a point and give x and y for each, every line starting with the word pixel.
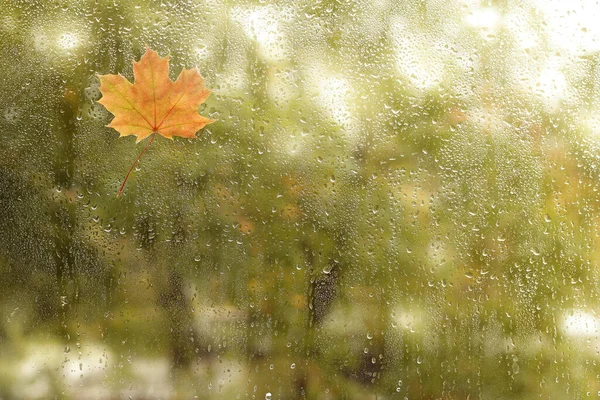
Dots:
pixel 397 199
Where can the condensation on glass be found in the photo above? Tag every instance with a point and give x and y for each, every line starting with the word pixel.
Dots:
pixel 399 199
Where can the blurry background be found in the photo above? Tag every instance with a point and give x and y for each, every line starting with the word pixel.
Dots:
pixel 399 199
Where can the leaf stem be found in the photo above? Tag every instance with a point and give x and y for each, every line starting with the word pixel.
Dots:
pixel 135 162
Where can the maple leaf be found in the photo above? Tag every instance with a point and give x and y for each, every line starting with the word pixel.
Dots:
pixel 154 104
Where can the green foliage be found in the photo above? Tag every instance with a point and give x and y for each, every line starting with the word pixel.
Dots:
pixel 384 207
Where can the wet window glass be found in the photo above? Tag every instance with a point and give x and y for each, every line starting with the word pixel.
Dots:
pixel 361 199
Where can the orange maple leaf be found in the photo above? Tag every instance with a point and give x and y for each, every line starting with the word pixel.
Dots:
pixel 153 103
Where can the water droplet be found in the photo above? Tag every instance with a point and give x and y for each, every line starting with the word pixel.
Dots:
pixel 515 365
